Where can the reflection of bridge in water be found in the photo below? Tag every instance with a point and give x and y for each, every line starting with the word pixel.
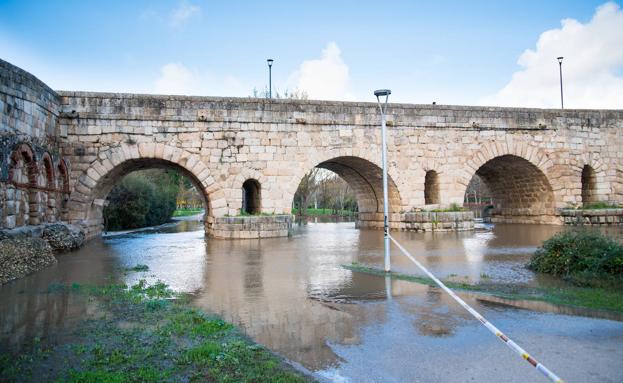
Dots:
pixel 65 150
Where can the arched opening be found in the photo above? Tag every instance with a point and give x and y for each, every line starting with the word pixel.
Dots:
pixel 47 190
pixel 589 185
pixel 23 181
pixel 63 188
pixel 339 180
pixel 431 188
pixel 101 196
pixel 518 190
pixel 251 197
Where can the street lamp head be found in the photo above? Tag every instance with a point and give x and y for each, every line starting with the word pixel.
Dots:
pixel 382 92
pixel 270 62
pixel 559 59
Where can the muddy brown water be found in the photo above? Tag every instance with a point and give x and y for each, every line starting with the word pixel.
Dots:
pixel 292 295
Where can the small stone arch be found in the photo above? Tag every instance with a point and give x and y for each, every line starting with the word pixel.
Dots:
pixel 251 197
pixel 431 188
pixel 63 176
pixel 47 189
pixel 236 187
pixel 92 187
pixel 590 171
pixel 22 178
pixel 589 185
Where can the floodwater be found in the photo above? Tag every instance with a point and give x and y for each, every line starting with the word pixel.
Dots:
pixel 292 295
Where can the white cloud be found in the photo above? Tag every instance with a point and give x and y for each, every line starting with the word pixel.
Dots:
pixel 183 13
pixel 175 78
pixel 326 78
pixel 592 66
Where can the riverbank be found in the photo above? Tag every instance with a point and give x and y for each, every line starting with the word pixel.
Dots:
pixel 595 298
pixel 144 333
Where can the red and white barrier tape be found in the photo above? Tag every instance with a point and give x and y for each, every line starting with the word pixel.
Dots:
pixel 514 346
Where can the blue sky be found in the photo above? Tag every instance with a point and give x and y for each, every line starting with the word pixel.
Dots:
pixel 445 51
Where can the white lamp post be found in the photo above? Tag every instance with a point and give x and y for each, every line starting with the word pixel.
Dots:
pixel 383 107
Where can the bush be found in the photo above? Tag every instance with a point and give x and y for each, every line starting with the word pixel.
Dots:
pixel 143 198
pixel 582 256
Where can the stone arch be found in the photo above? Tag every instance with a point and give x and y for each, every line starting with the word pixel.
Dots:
pixel 22 178
pixel 62 183
pixel 63 176
pixel 600 186
pixel 520 190
pixel 88 197
pixel 589 185
pixel 364 177
pixel 235 184
pixel 431 188
pixel 251 197
pixel 47 188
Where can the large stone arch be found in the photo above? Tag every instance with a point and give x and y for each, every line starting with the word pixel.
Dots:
pixel 520 180
pixel 92 187
pixel 364 174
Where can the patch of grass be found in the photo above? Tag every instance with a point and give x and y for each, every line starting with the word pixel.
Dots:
pixel 454 207
pixel 600 205
pixel 147 334
pixel 599 298
pixel 322 211
pixel 186 212
pixel 137 267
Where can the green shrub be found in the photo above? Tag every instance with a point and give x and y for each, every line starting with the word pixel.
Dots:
pixel 142 198
pixel 583 256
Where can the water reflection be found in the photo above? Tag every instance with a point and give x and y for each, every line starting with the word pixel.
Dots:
pixel 292 295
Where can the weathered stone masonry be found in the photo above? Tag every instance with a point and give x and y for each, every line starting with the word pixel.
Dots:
pixel 533 160
pixel 34 178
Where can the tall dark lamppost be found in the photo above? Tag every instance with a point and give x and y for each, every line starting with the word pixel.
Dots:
pixel 562 104
pixel 383 107
pixel 270 79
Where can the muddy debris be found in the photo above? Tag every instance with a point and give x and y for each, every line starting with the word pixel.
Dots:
pixel 22 256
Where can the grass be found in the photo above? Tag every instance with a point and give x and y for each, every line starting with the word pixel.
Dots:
pixel 138 267
pixel 598 298
pixel 145 333
pixel 186 212
pixel 598 206
pixel 454 207
pixel 310 212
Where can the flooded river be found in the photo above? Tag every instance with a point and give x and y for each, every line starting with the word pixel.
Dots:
pixel 292 295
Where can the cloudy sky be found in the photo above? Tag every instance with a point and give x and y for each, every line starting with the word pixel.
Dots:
pixel 451 52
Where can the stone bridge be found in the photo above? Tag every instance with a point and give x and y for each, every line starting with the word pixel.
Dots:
pixel 62 151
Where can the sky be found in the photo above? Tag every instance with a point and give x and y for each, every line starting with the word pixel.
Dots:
pixel 448 52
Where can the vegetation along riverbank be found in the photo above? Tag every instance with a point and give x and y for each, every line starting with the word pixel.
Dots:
pixel 144 333
pixel 595 298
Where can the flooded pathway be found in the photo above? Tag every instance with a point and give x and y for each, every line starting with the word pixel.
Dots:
pixel 292 295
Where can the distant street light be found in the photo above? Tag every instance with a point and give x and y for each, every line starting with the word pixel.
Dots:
pixel 383 107
pixel 270 80
pixel 562 104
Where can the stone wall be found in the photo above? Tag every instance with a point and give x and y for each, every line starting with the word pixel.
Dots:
pixel 248 227
pixel 610 217
pixel 34 178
